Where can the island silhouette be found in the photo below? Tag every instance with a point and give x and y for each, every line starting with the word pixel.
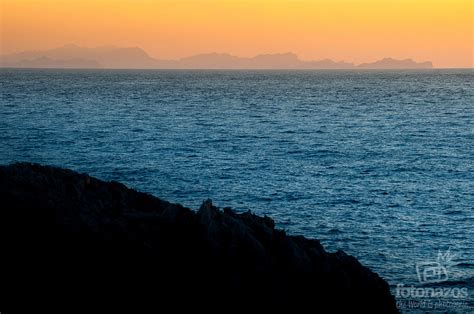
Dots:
pixel 112 57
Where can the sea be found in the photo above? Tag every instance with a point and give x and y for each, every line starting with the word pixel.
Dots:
pixel 379 164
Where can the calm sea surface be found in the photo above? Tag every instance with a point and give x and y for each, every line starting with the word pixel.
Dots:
pixel 379 164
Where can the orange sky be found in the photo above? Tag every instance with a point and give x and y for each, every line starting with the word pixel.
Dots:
pixel 352 30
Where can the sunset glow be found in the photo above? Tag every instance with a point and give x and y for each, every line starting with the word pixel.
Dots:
pixel 440 31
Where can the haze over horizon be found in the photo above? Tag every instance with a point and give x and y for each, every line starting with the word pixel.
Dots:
pixel 74 56
pixel 358 32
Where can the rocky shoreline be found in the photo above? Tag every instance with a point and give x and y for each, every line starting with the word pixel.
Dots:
pixel 95 240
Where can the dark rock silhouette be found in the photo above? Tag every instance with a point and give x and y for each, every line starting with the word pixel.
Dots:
pixel 79 239
pixel 136 58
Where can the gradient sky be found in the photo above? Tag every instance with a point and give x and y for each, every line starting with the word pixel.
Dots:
pixel 351 30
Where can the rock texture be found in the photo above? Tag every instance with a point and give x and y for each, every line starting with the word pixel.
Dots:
pixel 78 239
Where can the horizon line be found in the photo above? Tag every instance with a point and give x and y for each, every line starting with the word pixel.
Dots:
pixel 238 69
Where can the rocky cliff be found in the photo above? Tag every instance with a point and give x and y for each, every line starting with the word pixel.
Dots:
pixel 77 239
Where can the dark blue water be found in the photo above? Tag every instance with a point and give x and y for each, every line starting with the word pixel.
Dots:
pixel 379 164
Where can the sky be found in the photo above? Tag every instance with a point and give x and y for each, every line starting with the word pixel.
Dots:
pixel 441 31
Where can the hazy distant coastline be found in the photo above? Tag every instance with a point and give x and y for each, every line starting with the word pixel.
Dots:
pixel 111 57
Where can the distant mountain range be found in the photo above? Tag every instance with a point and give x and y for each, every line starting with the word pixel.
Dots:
pixel 111 57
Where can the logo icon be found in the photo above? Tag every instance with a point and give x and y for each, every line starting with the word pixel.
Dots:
pixel 435 271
